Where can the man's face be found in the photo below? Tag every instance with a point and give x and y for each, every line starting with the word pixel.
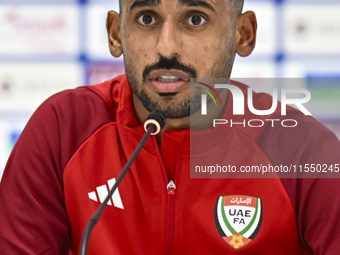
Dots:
pixel 167 42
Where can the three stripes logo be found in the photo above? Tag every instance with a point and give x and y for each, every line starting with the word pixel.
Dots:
pixel 238 219
pixel 204 97
pixel 102 191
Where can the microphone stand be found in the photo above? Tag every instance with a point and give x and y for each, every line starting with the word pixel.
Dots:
pixel 100 210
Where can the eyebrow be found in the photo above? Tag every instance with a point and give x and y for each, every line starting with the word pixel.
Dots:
pixel 189 3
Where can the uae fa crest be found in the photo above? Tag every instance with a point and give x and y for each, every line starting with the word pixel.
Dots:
pixel 238 219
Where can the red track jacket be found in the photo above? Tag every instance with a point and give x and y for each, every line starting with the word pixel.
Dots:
pixel 77 143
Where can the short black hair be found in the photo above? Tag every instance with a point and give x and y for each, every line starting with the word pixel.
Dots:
pixel 237 5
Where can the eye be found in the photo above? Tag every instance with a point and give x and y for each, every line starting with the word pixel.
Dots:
pixel 196 20
pixel 146 19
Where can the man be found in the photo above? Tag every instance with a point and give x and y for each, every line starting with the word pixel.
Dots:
pixel 75 145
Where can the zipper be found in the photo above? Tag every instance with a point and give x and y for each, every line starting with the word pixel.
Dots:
pixel 171 190
pixel 170 211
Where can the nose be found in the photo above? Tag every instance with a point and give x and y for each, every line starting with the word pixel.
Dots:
pixel 169 44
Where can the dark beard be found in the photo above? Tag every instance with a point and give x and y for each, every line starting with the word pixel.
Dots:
pixel 173 109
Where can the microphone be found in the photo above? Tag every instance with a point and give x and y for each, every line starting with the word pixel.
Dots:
pixel 153 125
pixel 155 121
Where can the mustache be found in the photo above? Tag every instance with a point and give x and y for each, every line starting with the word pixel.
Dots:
pixel 166 63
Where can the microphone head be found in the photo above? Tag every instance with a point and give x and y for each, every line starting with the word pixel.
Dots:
pixel 159 116
pixel 156 119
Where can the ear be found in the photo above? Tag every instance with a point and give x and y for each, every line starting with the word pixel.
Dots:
pixel 113 31
pixel 246 27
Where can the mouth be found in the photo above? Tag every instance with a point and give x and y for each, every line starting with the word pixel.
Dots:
pixel 168 82
pixel 168 79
